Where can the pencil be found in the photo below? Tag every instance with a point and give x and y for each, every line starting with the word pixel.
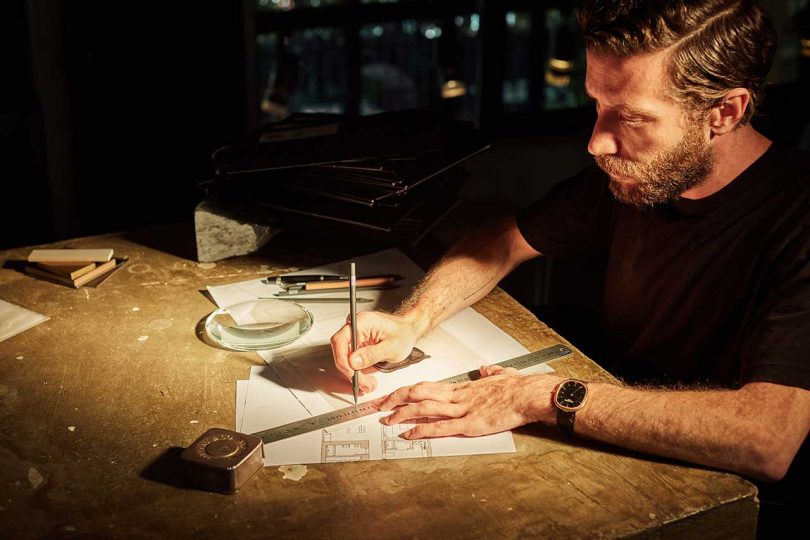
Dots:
pixel 353 315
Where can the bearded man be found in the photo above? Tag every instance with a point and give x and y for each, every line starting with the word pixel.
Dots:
pixel 701 226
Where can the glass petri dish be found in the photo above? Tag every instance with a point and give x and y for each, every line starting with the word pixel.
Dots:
pixel 265 324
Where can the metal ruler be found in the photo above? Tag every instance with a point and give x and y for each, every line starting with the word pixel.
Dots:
pixel 364 409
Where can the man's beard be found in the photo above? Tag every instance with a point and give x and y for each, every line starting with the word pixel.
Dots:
pixel 663 178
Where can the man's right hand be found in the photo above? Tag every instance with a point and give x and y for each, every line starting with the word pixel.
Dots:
pixel 381 337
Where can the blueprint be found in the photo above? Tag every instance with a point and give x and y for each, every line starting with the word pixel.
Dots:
pixel 299 380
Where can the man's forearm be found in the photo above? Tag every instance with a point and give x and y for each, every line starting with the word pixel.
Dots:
pixel 467 273
pixel 755 430
pixel 461 278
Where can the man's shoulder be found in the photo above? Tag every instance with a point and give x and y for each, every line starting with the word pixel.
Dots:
pixel 799 180
pixel 784 179
pixel 794 162
pixel 803 162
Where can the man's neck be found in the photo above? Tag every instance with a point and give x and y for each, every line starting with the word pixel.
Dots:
pixel 734 152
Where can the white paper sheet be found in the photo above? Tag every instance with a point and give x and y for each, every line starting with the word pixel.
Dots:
pixel 268 405
pixel 300 381
pixel 241 395
pixel 16 319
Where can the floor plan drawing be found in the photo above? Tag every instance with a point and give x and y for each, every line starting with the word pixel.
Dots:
pixel 351 444
pixel 394 447
pixel 364 441
pixel 300 381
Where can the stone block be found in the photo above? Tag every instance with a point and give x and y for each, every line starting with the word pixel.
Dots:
pixel 224 229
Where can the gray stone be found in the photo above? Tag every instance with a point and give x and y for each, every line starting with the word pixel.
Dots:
pixel 227 230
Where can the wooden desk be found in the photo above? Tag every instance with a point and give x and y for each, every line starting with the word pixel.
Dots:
pixel 96 404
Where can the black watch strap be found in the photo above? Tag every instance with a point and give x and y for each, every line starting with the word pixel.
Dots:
pixel 565 421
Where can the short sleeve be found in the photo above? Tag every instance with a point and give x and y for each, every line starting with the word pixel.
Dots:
pixel 572 220
pixel 777 349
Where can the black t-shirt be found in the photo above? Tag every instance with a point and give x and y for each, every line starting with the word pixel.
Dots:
pixel 714 290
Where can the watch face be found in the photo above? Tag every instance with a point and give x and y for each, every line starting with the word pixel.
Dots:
pixel 570 395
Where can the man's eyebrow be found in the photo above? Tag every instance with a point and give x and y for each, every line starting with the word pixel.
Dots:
pixel 634 111
pixel 627 109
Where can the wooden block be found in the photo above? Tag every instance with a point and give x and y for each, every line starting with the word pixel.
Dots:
pixel 99 270
pixel 119 262
pixel 64 263
pixel 93 274
pixel 38 272
pixel 71 271
pixel 75 256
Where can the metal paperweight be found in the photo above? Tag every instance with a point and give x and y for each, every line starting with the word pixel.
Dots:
pixel 262 324
pixel 223 460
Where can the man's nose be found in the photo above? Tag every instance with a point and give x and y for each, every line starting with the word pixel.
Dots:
pixel 603 140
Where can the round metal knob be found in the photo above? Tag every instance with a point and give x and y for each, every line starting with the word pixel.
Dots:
pixel 222 448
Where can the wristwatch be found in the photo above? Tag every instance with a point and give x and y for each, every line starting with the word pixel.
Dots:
pixel 569 396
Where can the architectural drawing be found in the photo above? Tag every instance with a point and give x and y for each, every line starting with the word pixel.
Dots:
pixel 300 379
pixel 393 447
pixel 361 442
pixel 349 444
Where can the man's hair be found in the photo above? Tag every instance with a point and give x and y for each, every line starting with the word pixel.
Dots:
pixel 716 45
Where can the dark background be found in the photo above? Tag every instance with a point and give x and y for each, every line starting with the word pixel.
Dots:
pixel 109 111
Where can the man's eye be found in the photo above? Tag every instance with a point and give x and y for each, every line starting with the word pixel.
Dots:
pixel 632 121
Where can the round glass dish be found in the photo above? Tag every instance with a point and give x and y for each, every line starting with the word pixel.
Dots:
pixel 266 324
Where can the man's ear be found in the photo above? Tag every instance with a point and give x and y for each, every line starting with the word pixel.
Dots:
pixel 727 113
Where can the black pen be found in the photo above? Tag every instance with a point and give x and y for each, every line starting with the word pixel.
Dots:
pixel 306 278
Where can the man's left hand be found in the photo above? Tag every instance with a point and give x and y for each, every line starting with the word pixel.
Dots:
pixel 501 400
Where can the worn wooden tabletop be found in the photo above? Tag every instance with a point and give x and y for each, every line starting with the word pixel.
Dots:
pixel 97 403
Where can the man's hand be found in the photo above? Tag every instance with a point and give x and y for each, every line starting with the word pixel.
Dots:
pixel 499 401
pixel 466 274
pixel 381 337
